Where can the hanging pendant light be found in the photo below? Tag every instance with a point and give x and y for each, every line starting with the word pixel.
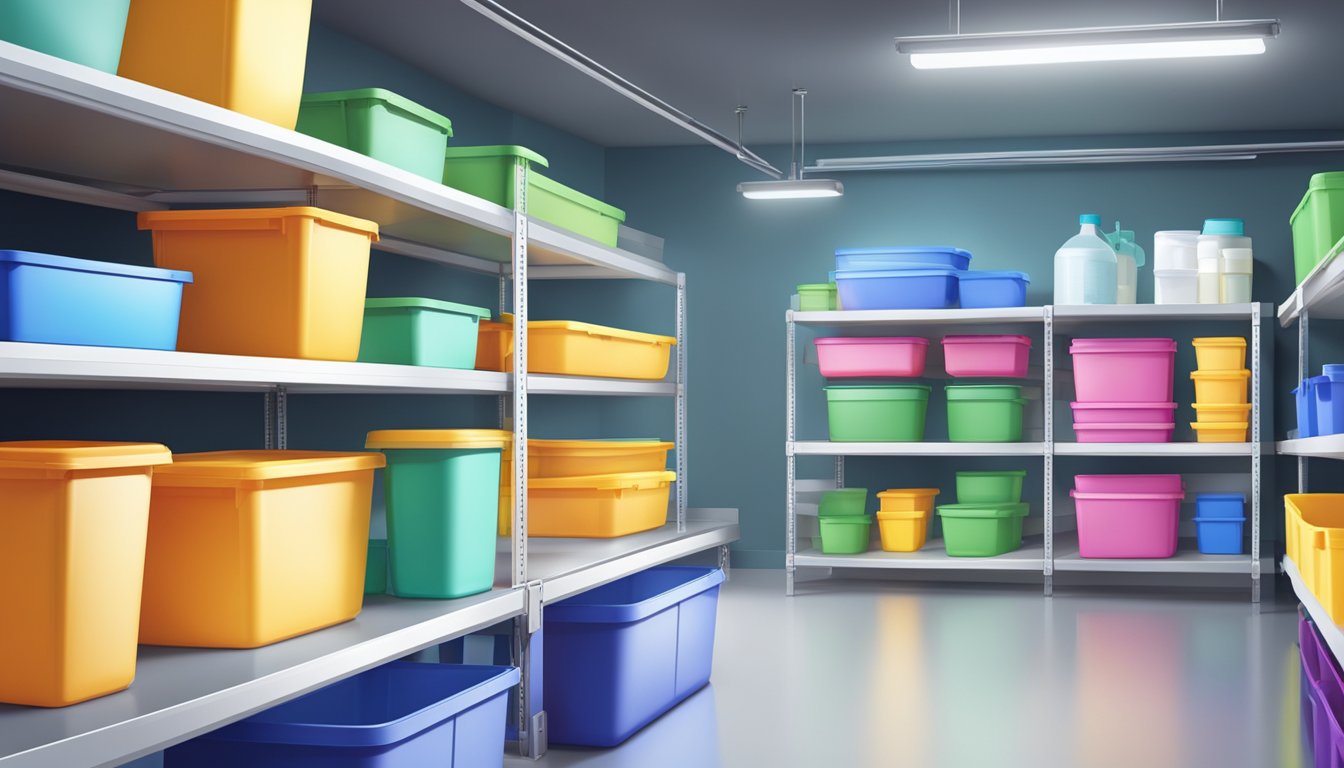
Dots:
pixel 795 186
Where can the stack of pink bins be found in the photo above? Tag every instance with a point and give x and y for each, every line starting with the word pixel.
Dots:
pixel 1127 516
pixel 1124 389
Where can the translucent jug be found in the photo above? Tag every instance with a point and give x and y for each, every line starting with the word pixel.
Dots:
pixel 1086 267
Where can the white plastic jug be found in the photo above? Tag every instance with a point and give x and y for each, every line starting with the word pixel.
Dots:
pixel 1129 258
pixel 1086 266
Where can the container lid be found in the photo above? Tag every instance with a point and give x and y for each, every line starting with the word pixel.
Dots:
pixel 1327 180
pixel 1233 227
pixel 877 391
pixel 1130 427
pixel 624 481
pixel 497 150
pixel 1077 406
pixel 1219 341
pixel 1090 218
pixel 597 447
pixel 986 510
pixel 1185 237
pixel 1125 496
pixel 438 439
pixel 904 251
pixel 1220 375
pixel 1007 339
pixel 816 287
pixel 1239 519
pixel 1220 497
pixel 595 330
pixel 1332 370
pixel 94 267
pixel 853 340
pixel 1220 426
pixel 78 455
pixel 412 302
pixel 924 271
pixel 575 196
pixel 994 275
pixel 909 493
pixel 1222 407
pixel 267 465
pixel 261 218
pixel 1122 345
pixel 983 391
pixel 420 112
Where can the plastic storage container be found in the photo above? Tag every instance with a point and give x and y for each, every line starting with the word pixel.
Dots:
pixel 1124 370
pixel 981 530
pixel 816 297
pixel 1305 400
pixel 1213 413
pixel 1220 506
pixel 1328 392
pixel 1219 536
pixel 1123 413
pixel 903 531
pixel 901 500
pixel 878 413
pixel 415 331
pixel 620 655
pixel 580 349
pixel 244 55
pixel 248 548
pixel 1128 483
pixel 598 506
pixel 1175 249
pixel 843 502
pixel 977 290
pixel 1209 279
pixel 879 356
pixel 73 518
pixel 1220 353
pixel 551 201
pixel 986 356
pixel 1086 266
pixel 1318 222
pixel 918 257
pixel 494 343
pixel 59 300
pixel 1219 234
pixel 399 715
pixel 1221 387
pixel 1175 286
pixel 845 534
pixel 931 288
pixel 87 32
pixel 380 124
pixel 572 458
pixel 1314 535
pixel 273 282
pixel 1127 524
pixel 488 172
pixel 990 487
pixel 1157 432
pixel 375 570
pixel 985 413
pixel 442 493
pixel 1237 273
pixel 1220 432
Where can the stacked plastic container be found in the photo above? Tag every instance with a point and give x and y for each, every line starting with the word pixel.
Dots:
pixel 1124 389
pixel 991 413
pixel 874 411
pixel 1226 262
pixel 568 348
pixel 1127 516
pixel 903 518
pixel 1322 697
pixel 1320 403
pixel 1222 412
pixel 596 488
pixel 1175 267
pixel 987 519
pixel 1314 539
pixel 1220 519
pixel 925 277
pixel 843 521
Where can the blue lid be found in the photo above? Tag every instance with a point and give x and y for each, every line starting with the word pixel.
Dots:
pixel 988 274
pixel 929 272
pixel 896 251
pixel 1235 227
pixel 96 267
pixel 1199 519
pixel 1090 218
pixel 1220 497
pixel 1334 369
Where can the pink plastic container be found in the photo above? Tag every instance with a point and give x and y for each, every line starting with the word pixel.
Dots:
pixel 1123 413
pixel 1128 484
pixel 1123 370
pixel 980 356
pixel 1127 525
pixel 843 357
pixel 1124 433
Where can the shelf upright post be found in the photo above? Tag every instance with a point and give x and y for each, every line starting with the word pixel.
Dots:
pixel 683 492
pixel 790 435
pixel 1048 464
pixel 503 400
pixel 1256 458
pixel 276 413
pixel 268 416
pixel 1303 366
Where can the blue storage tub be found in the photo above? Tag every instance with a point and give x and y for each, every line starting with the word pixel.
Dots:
pixel 50 299
pixel 1219 535
pixel 934 288
pixel 1328 394
pixel 618 656
pixel 865 259
pixel 399 715
pixel 1305 397
pixel 985 290
pixel 1220 506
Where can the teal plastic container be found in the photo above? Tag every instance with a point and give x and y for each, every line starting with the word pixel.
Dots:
pixel 982 530
pixel 380 124
pixel 984 413
pixel 1318 222
pixel 414 331
pixel 87 32
pixel 375 570
pixel 990 487
pixel 843 502
pixel 878 413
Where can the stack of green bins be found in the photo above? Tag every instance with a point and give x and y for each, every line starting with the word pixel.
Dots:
pixel 987 521
pixel 846 528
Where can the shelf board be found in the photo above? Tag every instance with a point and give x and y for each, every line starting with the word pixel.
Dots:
pixel 1330 631
pixel 1321 294
pixel 1324 447
pixel 828 448
pixel 1184 561
pixel 1160 449
pixel 545 384
pixel 1031 557
pixel 904 317
pixel 1086 314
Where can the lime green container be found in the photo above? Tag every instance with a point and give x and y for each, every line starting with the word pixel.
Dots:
pixel 87 32
pixel 380 124
pixel 984 413
pixel 1318 222
pixel 990 487
pixel 414 331
pixel 845 534
pixel 816 297
pixel 981 530
pixel 843 502
pixel 375 572
pixel 877 413
pixel 441 488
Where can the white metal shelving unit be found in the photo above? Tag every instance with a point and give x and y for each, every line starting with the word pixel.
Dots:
pixel 1048 546
pixel 153 149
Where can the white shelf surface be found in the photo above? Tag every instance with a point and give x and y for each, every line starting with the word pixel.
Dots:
pixel 828 448
pixel 1031 557
pixel 1160 449
pixel 1321 294
pixel 1186 560
pixel 905 317
pixel 1330 631
pixel 1071 315
pixel 1324 447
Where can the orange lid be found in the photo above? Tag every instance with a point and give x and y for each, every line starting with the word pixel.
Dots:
pixel 438 438
pixel 78 454
pixel 625 481
pixel 908 493
pixel 597 447
pixel 267 465
pixel 250 218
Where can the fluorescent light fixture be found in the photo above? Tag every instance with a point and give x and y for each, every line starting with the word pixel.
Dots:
pixel 1058 46
pixel 790 189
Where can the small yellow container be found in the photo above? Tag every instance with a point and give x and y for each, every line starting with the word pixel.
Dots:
pixel 244 55
pixel 567 348
pixel 1318 547
pixel 1220 353
pixel 903 531
pixel 1220 432
pixel 247 548
pixel 1222 387
pixel 1222 413
pixel 573 458
pixel 598 506
pixel 271 282
pixel 494 340
pixel 73 517
pixel 897 500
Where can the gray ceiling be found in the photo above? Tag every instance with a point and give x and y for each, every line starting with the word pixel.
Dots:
pixel 706 56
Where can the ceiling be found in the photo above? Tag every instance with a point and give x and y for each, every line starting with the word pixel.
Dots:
pixel 707 56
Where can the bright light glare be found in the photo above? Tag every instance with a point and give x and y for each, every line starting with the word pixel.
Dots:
pixel 791 189
pixel 1171 49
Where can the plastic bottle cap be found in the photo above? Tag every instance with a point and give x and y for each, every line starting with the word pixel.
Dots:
pixel 1090 218
pixel 1233 227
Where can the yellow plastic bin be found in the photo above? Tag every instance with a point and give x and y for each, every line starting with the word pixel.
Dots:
pixel 494 342
pixel 248 548
pixel 568 348
pixel 72 552
pixel 1222 413
pixel 903 531
pixel 1319 547
pixel 244 55
pixel 572 458
pixel 598 506
pixel 1220 353
pixel 1227 387
pixel 271 282
pixel 1220 432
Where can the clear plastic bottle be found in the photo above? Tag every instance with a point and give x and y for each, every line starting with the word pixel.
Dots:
pixel 1086 266
pixel 1217 235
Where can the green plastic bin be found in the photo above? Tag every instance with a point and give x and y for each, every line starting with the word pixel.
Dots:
pixel 845 534
pixel 843 502
pixel 87 32
pixel 1318 222
pixel 380 124
pixel 981 530
pixel 441 487
pixel 877 413
pixel 984 413
pixel 816 297
pixel 990 487
pixel 415 331
pixel 375 571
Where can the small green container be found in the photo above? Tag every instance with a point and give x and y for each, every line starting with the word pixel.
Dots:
pixel 982 530
pixel 87 32
pixel 845 534
pixel 843 502
pixel 414 331
pixel 984 413
pixel 375 571
pixel 1318 222
pixel 816 297
pixel 990 487
pixel 380 124
pixel 877 413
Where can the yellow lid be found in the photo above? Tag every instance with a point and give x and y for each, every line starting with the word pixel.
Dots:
pixel 1220 341
pixel 1220 375
pixel 506 318
pixel 1223 407
pixel 267 465
pixel 78 454
pixel 596 447
pixel 908 493
pixel 438 438
pixel 250 218
pixel 625 481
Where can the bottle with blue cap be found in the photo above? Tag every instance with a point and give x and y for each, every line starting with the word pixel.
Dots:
pixel 1220 235
pixel 1086 266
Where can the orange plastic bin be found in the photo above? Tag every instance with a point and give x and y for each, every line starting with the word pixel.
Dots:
pixel 568 348
pixel 247 548
pixel 599 506
pixel 271 282
pixel 72 553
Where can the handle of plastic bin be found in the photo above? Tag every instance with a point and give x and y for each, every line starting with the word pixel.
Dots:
pixel 1318 539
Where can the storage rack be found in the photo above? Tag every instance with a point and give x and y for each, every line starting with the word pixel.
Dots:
pixel 156 149
pixel 1052 552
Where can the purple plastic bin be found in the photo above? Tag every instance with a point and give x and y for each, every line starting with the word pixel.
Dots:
pixel 932 288
pixel 1128 483
pixel 1123 413
pixel 1123 370
pixel 1124 433
pixel 980 356
pixel 878 356
pixel 1127 525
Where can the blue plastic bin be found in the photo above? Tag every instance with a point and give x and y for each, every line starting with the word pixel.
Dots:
pixel 934 288
pixel 984 290
pixel 618 656
pixel 59 300
pixel 1219 535
pixel 1222 506
pixel 400 715
pixel 1328 392
pixel 1305 397
pixel 864 259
